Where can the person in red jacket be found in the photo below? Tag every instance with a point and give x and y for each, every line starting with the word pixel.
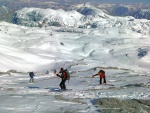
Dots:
pixel 64 78
pixel 101 75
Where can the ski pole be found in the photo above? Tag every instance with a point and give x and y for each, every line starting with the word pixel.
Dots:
pixel 91 81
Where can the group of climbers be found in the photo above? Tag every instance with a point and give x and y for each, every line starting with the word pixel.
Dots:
pixel 64 75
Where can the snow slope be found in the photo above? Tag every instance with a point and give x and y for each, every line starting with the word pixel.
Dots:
pixel 17 95
pixel 108 42
pixel 107 46
pixel 120 46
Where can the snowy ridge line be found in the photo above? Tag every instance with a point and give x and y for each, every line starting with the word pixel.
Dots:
pixel 100 67
pixel 11 72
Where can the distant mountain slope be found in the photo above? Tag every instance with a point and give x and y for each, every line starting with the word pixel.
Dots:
pixel 131 11
pixel 47 17
pixel 86 17
pixel 143 13
pixel 112 9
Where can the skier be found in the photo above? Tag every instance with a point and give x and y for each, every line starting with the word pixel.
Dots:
pixel 64 78
pixel 101 74
pixel 31 74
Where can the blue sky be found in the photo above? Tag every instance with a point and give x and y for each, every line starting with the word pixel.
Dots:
pixel 125 1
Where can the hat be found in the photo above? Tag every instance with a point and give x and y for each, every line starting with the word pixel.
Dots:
pixel 61 70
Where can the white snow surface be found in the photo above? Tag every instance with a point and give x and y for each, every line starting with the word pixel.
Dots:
pixel 118 45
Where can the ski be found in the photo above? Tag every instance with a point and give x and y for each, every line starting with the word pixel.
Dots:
pixel 61 90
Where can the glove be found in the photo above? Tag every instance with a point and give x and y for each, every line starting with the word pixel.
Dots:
pixel 55 72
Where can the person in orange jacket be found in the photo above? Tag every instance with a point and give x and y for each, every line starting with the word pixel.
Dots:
pixel 101 75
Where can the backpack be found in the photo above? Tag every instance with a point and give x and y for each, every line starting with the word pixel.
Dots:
pixel 31 74
pixel 102 71
pixel 68 75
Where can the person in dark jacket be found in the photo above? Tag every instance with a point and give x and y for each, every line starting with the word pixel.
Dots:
pixel 31 74
pixel 101 75
pixel 64 78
